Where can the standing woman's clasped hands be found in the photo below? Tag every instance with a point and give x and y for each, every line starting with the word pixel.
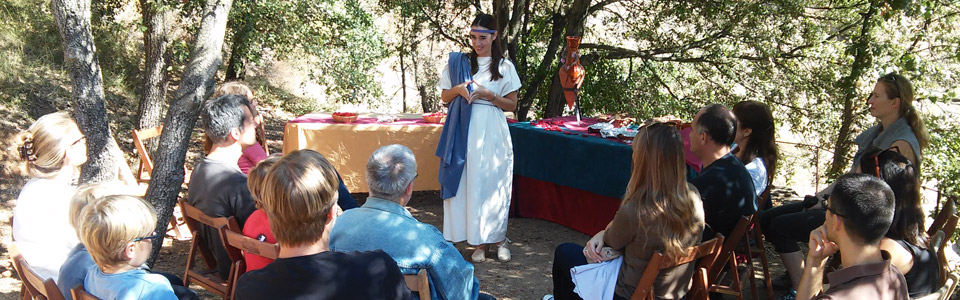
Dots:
pixel 462 91
pixel 481 93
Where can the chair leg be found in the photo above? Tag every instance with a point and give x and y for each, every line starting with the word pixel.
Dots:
pixel 749 270
pixel 761 251
pixel 736 285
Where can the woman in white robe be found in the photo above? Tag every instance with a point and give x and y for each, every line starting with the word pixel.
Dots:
pixel 478 212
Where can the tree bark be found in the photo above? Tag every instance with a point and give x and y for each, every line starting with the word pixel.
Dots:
pixel 196 85
pixel 555 100
pixel 403 78
pixel 863 59
pixel 80 58
pixel 541 73
pixel 157 20
pixel 573 23
pixel 236 66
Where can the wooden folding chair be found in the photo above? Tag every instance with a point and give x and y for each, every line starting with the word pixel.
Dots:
pixel 146 164
pixel 758 249
pixel 660 261
pixel 727 259
pixel 34 286
pixel 236 244
pixel 945 222
pixel 145 170
pixel 419 283
pixel 80 294
pixel 208 278
pixel 947 212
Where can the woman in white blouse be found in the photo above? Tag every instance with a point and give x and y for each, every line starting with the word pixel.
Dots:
pixel 53 150
pixel 477 211
pixel 757 144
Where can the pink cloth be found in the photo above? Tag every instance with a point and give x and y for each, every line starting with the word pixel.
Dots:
pixel 570 122
pixel 326 119
pixel 251 157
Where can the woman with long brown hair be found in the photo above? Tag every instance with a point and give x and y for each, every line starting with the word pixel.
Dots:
pixel 660 211
pixel 756 143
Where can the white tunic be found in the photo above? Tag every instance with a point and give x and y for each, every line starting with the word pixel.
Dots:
pixel 478 213
pixel 41 227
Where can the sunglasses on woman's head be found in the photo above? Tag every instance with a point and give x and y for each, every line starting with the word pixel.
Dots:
pixel 893 79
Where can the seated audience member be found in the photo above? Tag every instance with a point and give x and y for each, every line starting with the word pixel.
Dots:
pixel 859 213
pixel 53 150
pixel 118 231
pixel 75 269
pixel 217 187
pixel 724 183
pixel 906 241
pixel 298 196
pixel 898 125
pixel 258 226
pixel 660 211
pixel 253 154
pixel 756 144
pixel 384 223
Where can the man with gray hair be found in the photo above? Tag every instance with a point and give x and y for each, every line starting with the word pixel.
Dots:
pixel 383 223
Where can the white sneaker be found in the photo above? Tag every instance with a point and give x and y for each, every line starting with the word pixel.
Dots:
pixel 547 297
pixel 479 255
pixel 503 253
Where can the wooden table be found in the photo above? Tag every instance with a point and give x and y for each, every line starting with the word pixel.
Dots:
pixel 348 146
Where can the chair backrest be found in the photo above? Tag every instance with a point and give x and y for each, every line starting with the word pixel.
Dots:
pixel 419 283
pixel 659 261
pixel 209 279
pixel 762 198
pixel 730 244
pixel 236 244
pixel 948 210
pixel 146 164
pixel 80 294
pixel 34 285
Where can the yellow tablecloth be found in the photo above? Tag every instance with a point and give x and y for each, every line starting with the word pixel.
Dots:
pixel 348 146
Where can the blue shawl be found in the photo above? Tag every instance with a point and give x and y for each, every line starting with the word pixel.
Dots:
pixel 452 148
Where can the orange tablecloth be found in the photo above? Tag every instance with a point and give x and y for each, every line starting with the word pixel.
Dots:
pixel 348 146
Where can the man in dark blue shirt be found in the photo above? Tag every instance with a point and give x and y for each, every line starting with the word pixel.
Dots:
pixel 724 183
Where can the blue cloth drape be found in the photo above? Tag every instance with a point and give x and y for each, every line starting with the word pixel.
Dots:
pixel 452 148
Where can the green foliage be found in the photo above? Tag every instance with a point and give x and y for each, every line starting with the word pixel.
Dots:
pixel 652 58
pixel 31 77
pixel 276 97
pixel 339 36
pixel 942 158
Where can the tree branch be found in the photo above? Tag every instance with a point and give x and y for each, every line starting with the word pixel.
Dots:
pixel 439 28
pixel 594 8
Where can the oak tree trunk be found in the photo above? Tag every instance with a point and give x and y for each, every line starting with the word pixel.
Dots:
pixel 80 57
pixel 157 21
pixel 195 86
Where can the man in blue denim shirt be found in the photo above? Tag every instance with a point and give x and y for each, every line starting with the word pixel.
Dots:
pixel 383 222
